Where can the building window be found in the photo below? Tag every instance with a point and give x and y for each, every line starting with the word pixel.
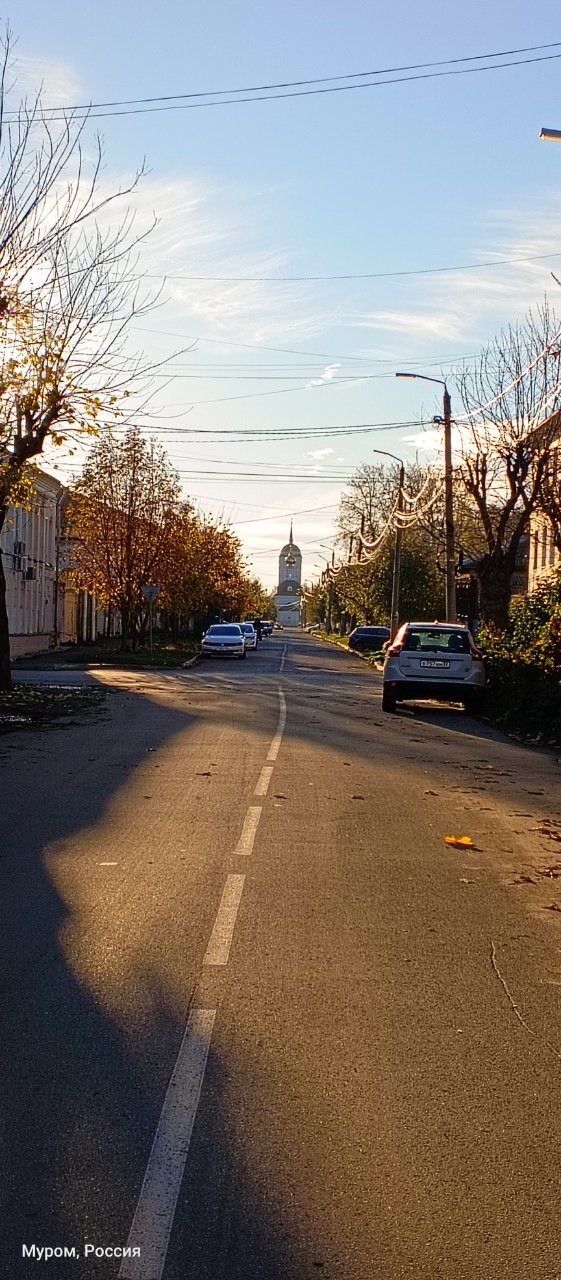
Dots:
pixel 536 549
pixel 544 546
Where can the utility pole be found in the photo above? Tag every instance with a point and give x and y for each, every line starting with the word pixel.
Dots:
pixel 329 594
pixel 451 615
pixel 449 539
pixel 397 558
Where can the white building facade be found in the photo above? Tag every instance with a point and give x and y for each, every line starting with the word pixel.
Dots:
pixel 29 543
pixel 44 607
pixel 544 555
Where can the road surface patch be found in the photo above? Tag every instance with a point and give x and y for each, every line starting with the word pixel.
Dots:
pixel 155 1211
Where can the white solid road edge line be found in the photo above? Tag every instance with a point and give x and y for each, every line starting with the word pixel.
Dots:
pixel 275 744
pixel 251 822
pixel 281 668
pixel 155 1211
pixel 220 942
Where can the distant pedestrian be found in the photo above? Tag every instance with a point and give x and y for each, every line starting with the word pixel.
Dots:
pixel 258 628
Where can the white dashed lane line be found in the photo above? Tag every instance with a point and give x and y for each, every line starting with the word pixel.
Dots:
pixel 153 1219
pixel 155 1211
pixel 264 780
pixel 220 942
pixel 275 744
pixel 251 822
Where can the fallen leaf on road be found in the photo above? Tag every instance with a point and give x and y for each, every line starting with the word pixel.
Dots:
pixel 279 796
pixel 431 793
pixel 464 881
pixel 357 797
pixel 460 842
pixel 206 774
pixel 552 907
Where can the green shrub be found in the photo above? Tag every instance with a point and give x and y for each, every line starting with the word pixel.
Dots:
pixel 523 666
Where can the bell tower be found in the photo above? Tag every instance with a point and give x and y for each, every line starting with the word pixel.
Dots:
pixel 290 580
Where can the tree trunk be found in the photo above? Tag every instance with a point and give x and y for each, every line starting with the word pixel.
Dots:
pixel 5 665
pixel 125 624
pixel 494 580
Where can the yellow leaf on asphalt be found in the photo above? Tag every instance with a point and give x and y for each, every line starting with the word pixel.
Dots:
pixel 460 842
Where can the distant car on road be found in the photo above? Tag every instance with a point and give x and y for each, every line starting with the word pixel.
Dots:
pixel 368 639
pixel 433 660
pixel 267 626
pixel 223 639
pixel 277 626
pixel 250 635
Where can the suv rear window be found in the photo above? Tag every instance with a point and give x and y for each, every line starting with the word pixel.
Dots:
pixel 437 641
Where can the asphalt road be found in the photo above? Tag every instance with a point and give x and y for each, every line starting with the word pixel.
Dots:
pixel 258 1020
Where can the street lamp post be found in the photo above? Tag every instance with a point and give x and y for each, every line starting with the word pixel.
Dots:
pixel 449 539
pixel 396 576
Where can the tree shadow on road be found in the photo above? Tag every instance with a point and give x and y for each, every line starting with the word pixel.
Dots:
pixel 86 1061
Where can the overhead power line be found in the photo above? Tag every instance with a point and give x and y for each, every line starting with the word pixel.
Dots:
pixel 298 88
pixel 359 275
pixel 290 351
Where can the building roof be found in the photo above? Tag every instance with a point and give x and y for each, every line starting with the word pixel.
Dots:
pixel 290 546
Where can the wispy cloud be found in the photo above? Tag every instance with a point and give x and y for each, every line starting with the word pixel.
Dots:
pixel 433 322
pixel 328 374
pixel 467 306
pixel 317 454
pixel 57 80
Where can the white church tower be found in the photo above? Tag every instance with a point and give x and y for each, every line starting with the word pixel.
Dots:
pixel 289 588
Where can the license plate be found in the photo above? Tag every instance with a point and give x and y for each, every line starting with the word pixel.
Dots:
pixel 433 662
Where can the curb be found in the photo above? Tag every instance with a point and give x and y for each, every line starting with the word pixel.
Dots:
pixel 191 662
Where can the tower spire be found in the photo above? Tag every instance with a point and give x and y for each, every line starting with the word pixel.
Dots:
pixel 290 538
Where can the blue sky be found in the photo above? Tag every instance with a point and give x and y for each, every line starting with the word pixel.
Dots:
pixel 423 174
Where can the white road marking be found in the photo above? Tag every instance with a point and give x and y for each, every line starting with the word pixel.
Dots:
pixel 264 780
pixel 220 942
pixel 244 846
pixel 282 661
pixel 154 1214
pixel 275 744
pixel 153 1218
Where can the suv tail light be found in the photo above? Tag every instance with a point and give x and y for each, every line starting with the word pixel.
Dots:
pixel 475 654
pixel 394 649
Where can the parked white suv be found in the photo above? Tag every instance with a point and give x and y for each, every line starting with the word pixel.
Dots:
pixel 433 660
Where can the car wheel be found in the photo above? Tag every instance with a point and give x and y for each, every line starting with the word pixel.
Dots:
pixel 388 699
pixel 244 654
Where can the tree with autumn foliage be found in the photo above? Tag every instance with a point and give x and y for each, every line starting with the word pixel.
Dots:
pixel 123 519
pixel 68 291
pixel 206 573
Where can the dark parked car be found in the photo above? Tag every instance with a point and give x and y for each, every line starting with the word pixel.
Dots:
pixel 368 639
